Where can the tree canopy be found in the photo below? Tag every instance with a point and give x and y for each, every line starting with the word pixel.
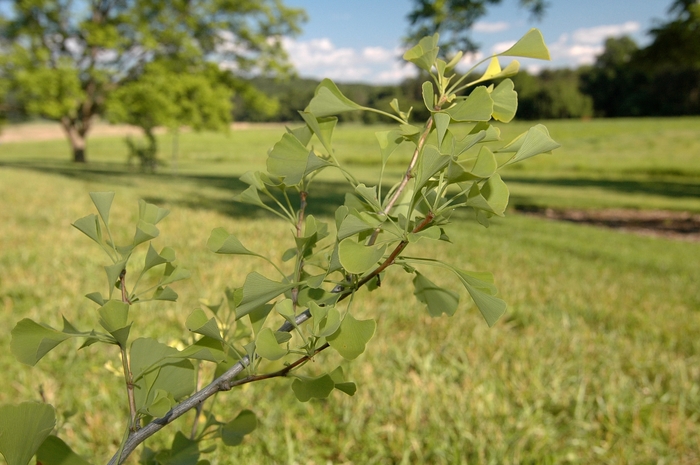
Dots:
pixel 64 58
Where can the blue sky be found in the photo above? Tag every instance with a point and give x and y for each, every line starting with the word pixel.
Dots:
pixel 359 40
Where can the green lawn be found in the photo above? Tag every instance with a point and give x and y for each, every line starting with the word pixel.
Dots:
pixel 596 361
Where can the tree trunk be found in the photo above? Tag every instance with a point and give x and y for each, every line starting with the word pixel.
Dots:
pixel 76 137
pixel 79 154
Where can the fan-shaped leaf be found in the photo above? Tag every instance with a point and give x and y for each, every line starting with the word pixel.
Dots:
pixel 306 389
pixel 198 322
pixel 424 54
pixel 357 258
pixel 352 336
pixel 267 347
pixel 31 341
pixel 437 299
pixel 478 106
pixel 531 45
pixel 233 432
pixel 23 428
pixel 328 100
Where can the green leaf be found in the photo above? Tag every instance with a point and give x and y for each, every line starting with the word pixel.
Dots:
pixel 96 297
pixel 154 370
pixel 494 71
pixel 113 272
pixel 198 322
pixel 144 232
pixel 356 222
pixel 442 121
pixel 233 432
pixel 150 213
pixel 31 341
pixel 476 200
pixel 357 258
pixel 437 299
pixel 303 133
pixel 23 428
pixel 424 54
pixel 485 165
pixel 258 290
pixel 531 45
pixel 114 317
pixel 328 100
pixel 535 141
pixel 267 347
pixel 306 389
pixel 432 233
pixel 496 194
pixel 431 162
pixel 389 141
pixel 258 316
pixel 326 319
pixel 165 293
pixel 206 348
pixel 481 289
pixel 428 96
pixel 162 402
pixel 90 226
pixel 173 274
pixel 103 203
pixel 352 336
pixel 338 378
pixel 153 258
pixel 292 161
pixel 224 243
pixel 369 194
pixel 321 126
pixel 478 106
pixel 54 451
pixel 250 196
pixel 183 451
pixel 505 101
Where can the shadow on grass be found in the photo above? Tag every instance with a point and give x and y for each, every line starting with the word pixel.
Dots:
pixel 629 186
pixel 324 199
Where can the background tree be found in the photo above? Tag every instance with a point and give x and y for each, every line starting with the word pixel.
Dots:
pixel 64 58
pixel 661 79
pixel 163 96
pixel 613 82
pixel 453 19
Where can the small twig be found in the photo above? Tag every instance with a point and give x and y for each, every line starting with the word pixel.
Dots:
pixel 283 372
pixel 128 376
pixel 198 409
pixel 122 286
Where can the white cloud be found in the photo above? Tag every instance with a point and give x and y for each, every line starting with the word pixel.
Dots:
pixel 582 46
pixel 501 46
pixel 469 60
pixel 598 34
pixel 490 28
pixel 320 58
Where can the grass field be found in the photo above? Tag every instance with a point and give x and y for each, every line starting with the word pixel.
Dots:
pixel 596 361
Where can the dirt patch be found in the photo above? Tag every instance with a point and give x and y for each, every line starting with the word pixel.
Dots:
pixel 672 224
pixel 50 131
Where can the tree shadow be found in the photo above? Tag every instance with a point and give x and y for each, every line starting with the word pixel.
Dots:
pixel 323 200
pixel 630 186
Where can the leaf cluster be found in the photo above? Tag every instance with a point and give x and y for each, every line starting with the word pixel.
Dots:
pixel 272 326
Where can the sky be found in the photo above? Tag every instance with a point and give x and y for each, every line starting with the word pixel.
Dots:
pixel 360 40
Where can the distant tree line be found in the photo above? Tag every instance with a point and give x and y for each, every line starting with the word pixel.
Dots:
pixel 662 79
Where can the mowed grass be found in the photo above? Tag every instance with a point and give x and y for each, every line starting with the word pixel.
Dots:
pixel 596 361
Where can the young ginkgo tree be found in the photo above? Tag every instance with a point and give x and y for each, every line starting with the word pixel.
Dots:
pixel 304 308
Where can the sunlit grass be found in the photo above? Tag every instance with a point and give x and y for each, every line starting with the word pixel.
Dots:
pixel 596 361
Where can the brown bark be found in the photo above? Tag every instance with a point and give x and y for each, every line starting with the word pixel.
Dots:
pixel 76 132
